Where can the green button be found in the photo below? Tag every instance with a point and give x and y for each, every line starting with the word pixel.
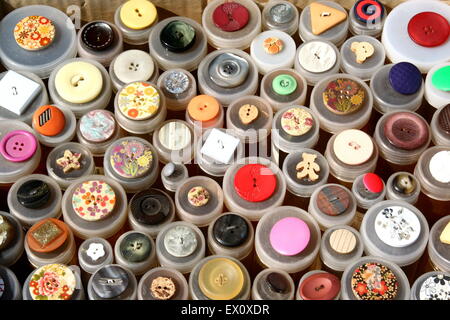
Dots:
pixel 284 84
pixel 441 79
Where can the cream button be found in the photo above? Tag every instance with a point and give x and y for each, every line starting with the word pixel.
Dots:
pixel 79 82
pixel 138 14
pixel 353 147
pixel 317 56
pixel 133 65
pixel 439 166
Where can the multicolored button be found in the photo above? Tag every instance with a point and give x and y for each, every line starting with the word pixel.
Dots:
pixel 255 182
pixel 343 96
pixel 406 130
pixel 248 113
pixel 284 84
pixel 308 168
pixel 18 146
pixel 404 184
pixel 333 200
pixel 324 18
pixel 374 281
pixel 289 236
pixel 34 33
pixel 175 136
pixel 405 78
pixel 439 168
pixel 441 79
pixel 69 161
pixel 49 121
pixel 296 122
pixel 138 14
pixel 52 282
pixel 176 82
pixel 139 101
pixel 177 36
pixel 131 158
pixel 198 196
pixel 353 147
pixel 97 126
pixel 93 200
pixel 162 288
pixel 317 56
pixel 320 286
pixel 203 108
pixel 231 16
pixel 7 233
pixel 435 287
pixel 98 35
pixel 180 241
pixel 342 241
pixel 368 11
pixel 273 45
pixel 47 235
pixel 429 29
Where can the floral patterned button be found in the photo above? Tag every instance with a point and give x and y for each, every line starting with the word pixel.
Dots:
pixel 97 126
pixel 198 196
pixel 296 121
pixel 52 282
pixel 343 96
pixel 273 45
pixel 374 281
pixel 34 32
pixel 139 101
pixel 93 200
pixel 435 287
pixel 131 158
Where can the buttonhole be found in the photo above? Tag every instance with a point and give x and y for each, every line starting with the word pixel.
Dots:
pixel 319 287
pixel 137 11
pixel 254 183
pixel 325 14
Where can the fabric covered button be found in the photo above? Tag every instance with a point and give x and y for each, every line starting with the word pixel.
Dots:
pixel 374 281
pixel 230 230
pixel 135 247
pixel 405 78
pixel 230 16
pixel 317 57
pixel 333 200
pixel 180 241
pixel 255 182
pixel 296 121
pixel 139 101
pixel 110 281
pixel 320 286
pixel 342 241
pixel 203 108
pixel 429 29
pixel 97 36
pixel 324 17
pixel 435 287
pixel 373 183
pixel 176 82
pixel 175 136
pixel 177 36
pixel 97 126
pixel 343 96
pixel 52 282
pixel 289 236
pixel 47 235
pixel 368 11
pixel 284 84
pixel 33 194
pixel 150 207
pixel 133 65
pixel 228 70
pixel 7 233
pixel 441 79
pixel 49 121
pixel 34 33
pixel 138 14
pixel 439 166
pixel 162 288
pixel 131 159
pixel 406 130
pixel 353 147
pixel 18 146
pixel 198 196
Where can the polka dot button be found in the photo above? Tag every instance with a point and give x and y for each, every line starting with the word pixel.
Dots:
pixel 138 14
pixel 373 182
pixel 429 29
pixel 368 11
pixel 406 130
pixel 34 33
pixel 289 236
pixel 405 78
pixel 284 84
pixel 49 121
pixel 203 108
pixel 18 146
pixel 353 147
pixel 333 200
pixel 320 286
pixel 138 100
pixel 255 182
pixel 97 36
pixel 133 65
pixel 296 121
pixel 231 16
pixel 317 57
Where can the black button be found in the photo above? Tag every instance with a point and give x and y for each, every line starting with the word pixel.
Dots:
pixel 135 247
pixel 150 207
pixel 33 194
pixel 230 230
pixel 177 36
pixel 98 36
pixel 110 282
pixel 277 282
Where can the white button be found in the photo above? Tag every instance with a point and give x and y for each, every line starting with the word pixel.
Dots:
pixel 133 65
pixel 353 147
pixel 317 56
pixel 220 146
pixel 17 92
pixel 440 166
pixel 175 136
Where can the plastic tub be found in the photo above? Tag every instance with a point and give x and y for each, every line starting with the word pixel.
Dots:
pixel 314 279
pixel 121 284
pixel 11 288
pixel 95 253
pixel 280 15
pixel 438 251
pixel 370 25
pixel 403 186
pixel 368 190
pixel 12 245
pixel 173 283
pixel 440 130
pixel 432 285
pixel 273 284
pixel 435 96
pixel 179 87
pixel 172 175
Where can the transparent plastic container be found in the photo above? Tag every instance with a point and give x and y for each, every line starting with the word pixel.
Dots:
pixel 179 87
pixel 95 253
pixel 373 27
pixel 439 133
pixel 273 284
pixel 12 288
pixel 364 197
pixel 66 135
pixel 327 281
pixel 426 288
pixel 170 277
pixel 435 97
pixel 172 175
pixel 13 251
pixel 438 251
pixel 195 112
pixel 280 15
pixel 125 290
pixel 396 190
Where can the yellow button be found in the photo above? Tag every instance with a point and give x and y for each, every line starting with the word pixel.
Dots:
pixel 138 14
pixel 79 82
pixel 221 279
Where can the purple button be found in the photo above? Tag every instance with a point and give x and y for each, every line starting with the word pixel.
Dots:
pixel 290 236
pixel 18 146
pixel 405 78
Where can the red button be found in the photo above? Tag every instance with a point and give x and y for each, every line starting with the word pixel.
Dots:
pixel 406 130
pixel 255 182
pixel 18 146
pixel 429 29
pixel 373 182
pixel 320 286
pixel 230 16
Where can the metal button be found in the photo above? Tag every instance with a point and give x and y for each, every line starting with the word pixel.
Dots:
pixel 228 70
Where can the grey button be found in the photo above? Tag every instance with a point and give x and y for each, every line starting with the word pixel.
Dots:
pixel 169 169
pixel 110 282
pixel 135 247
pixel 180 241
pixel 281 13
pixel 176 82
pixel 228 70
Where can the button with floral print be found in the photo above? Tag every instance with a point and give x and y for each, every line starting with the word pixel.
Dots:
pixel 93 200
pixel 139 101
pixel 435 287
pixel 374 281
pixel 343 96
pixel 273 45
pixel 70 161
pixel 198 196
pixel 97 126
pixel 296 121
pixel 34 33
pixel 47 235
pixel 131 158
pixel 52 282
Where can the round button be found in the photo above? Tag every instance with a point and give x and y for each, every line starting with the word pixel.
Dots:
pixel 7 233
pixel 374 281
pixel 79 82
pixel 203 108
pixel 133 65
pixel 277 282
pixel 282 13
pixel 404 183
pixel 317 56
pixel 429 29
pixel 47 235
pixel 135 247
pixel 441 79
pixel 97 126
pixel 33 194
pixel 228 70
pixel 177 36
pixel 353 147
pixel 230 16
pixel 34 33
pixel 110 282
pixel 139 101
pixel 255 182
pixel 289 236
pixel 131 158
pixel 405 78
pixel 150 207
pixel 221 279
pixel 175 136
pixel 435 287
pixel 406 130
pixel 162 288
pixel 176 82
pixel 439 166
pixel 284 84
pixel 198 196
pixel 231 230
pixel 138 14
pixel 180 241
pixel 333 200
pixel 52 282
pixel 97 36
pixel 296 122
pixel 320 286
pixel 49 121
pixel 169 169
pixel 343 96
pixel 342 241
pixel 373 182
pixel 18 146
pixel 368 11
pixel 93 200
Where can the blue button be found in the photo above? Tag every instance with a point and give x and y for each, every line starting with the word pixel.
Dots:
pixel 405 78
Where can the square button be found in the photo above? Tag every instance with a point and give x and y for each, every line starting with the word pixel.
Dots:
pixel 17 92
pixel 220 146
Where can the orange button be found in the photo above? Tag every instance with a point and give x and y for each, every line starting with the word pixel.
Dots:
pixel 49 121
pixel 47 235
pixel 203 108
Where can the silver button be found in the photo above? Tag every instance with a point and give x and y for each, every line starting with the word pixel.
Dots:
pixel 176 82
pixel 180 241
pixel 282 13
pixel 228 70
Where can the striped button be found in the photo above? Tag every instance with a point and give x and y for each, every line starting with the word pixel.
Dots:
pixel 342 241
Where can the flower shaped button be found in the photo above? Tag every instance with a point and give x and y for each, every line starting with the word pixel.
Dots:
pixel 52 282
pixel 374 281
pixel 93 200
pixel 273 45
pixel 34 33
pixel 139 101
pixel 96 251
pixel 198 196
pixel 97 126
pixel 343 96
pixel 131 159
pixel 296 121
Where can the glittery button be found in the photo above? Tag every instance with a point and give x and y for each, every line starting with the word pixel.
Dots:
pixel 282 13
pixel 52 282
pixel 404 184
pixel 444 119
pixel 47 235
pixel 406 130
pixel 131 158
pixel 441 79
pixel 368 11
pixel 343 96
pixel 7 233
pixel 34 33
pixel 198 196
pixel 439 166
pixel 180 241
pixel 308 168
pixel 230 16
pixel 177 36
pixel 69 161
pixel 97 126
pixel 296 121
pixel 284 84
pixel 435 287
pixel 273 45
pixel 162 288
pixel 176 82
pixel 139 101
pixel 405 78
pixel 333 200
pixel 342 241
pixel 374 281
pixel 248 113
pixel 135 247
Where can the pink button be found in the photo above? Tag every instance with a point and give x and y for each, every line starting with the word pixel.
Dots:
pixel 290 236
pixel 18 146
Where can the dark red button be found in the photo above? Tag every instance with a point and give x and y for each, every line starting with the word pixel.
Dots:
pixel 255 182
pixel 429 29
pixel 406 130
pixel 230 16
pixel 373 182
pixel 320 286
pixel 333 200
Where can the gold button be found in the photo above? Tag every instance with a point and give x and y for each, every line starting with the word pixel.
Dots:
pixel 138 14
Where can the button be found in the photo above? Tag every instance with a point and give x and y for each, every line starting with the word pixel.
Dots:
pixel 33 194
pixel 362 50
pixel 49 121
pixel 231 230
pixel 69 161
pixel 374 281
pixel 2 286
pixel 139 101
pixel 220 146
pixel 277 282
pixel 445 234
pixel 284 84
pixel 289 236
pixel 133 65
pixel 18 146
pixel 404 183
pixel 282 13
pixel 441 79
pixel 198 196
pixel 203 108
pixel 343 96
pixel 176 82
pixel 7 233
pixel 333 200
pixel 79 82
pixel 93 200
pixel 248 113
pixel 255 182
pixel 47 235
pixel 320 286
pixel 180 241
pixel 373 183
pixel 221 279
pixel 175 136
pixel 406 130
pixel 324 17
pixel 177 36
pixel 34 33
pixel 150 207
pixel 95 251
pixel 52 282
pixel 317 57
pixel 228 70
pixel 444 119
pixel 308 168
pixel 353 147
pixel 435 287
pixel 131 158
pixel 135 247
pixel 97 126
pixel 368 11
pixel 296 122
pixel 162 288
pixel 273 45
pixel 429 29
pixel 405 78
pixel 97 36
pixel 230 16
pixel 342 241
pixel 439 166
pixel 169 169
pixel 138 14
pixel 110 281
pixel 397 226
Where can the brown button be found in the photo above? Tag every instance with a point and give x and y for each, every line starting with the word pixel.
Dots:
pixel 333 200
pixel 49 121
pixel 320 286
pixel 47 235
pixel 444 119
pixel 406 130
